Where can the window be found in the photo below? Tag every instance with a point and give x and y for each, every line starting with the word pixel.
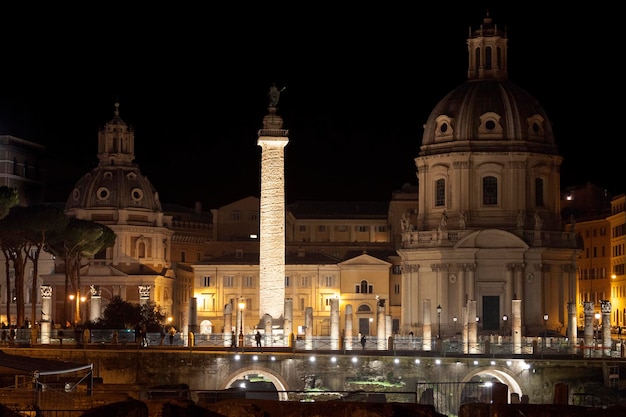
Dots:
pixel 287 281
pixel 440 192
pixel 301 302
pixel 304 282
pixel 183 256
pixel 206 281
pixel 362 229
pixel 396 270
pixel 254 216
pixel 490 191
pixel 302 228
pixel 396 288
pixel 321 228
pixel 228 281
pixel 364 288
pixel 329 281
pixel 235 215
pixel 248 281
pixel 539 192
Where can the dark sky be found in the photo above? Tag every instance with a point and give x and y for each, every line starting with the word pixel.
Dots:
pixel 360 83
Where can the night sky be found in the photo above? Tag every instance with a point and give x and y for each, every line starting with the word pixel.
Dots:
pixel 359 84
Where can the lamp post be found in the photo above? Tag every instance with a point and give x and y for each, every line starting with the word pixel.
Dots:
pixel 505 318
pixel 597 315
pixel 242 305
pixel 439 321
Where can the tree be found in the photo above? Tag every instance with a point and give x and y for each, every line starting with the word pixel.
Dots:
pixel 37 222
pixel 79 240
pixel 9 197
pixel 24 232
pixel 120 314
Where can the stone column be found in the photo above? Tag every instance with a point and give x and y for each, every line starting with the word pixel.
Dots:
pixel 464 330
pixel 308 331
pixel 516 326
pixel 192 327
pixel 269 338
pixel 605 307
pixel 588 335
pixel 472 327
pixel 288 323
pixel 471 282
pixel 381 339
pixel 349 326
pixel 96 302
pixel 460 296
pixel 46 313
pixel 228 326
pixel 427 328
pixel 272 139
pixel 334 323
pixel 572 324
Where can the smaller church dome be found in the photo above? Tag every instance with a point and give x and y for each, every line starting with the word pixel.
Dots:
pixel 116 183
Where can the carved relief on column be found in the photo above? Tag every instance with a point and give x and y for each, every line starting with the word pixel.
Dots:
pixel 97 292
pixel 144 292
pixel 46 291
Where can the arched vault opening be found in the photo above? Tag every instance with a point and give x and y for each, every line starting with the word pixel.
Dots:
pixel 275 378
pixel 502 375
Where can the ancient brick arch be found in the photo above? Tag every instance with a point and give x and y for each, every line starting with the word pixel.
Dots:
pixel 502 375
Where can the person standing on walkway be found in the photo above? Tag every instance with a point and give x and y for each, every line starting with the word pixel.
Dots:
pixel 257 337
pixel 172 333
pixel 363 341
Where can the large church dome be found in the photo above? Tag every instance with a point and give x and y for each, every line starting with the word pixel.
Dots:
pixel 488 111
pixel 116 183
pixel 482 114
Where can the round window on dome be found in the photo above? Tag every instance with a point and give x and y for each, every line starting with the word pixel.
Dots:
pixel 536 127
pixel 102 193
pixel 490 125
pixel 76 194
pixel 443 128
pixel 136 194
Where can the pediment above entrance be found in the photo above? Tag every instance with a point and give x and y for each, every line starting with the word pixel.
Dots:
pixel 491 238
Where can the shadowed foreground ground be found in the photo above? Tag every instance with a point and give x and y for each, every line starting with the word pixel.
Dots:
pixel 269 408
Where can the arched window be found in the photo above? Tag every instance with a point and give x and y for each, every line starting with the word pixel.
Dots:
pixel 539 192
pixel 490 191
pixel 488 58
pixel 440 192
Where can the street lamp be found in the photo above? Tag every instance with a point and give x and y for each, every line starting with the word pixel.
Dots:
pixel 370 328
pixel 505 318
pixel 545 325
pixel 439 321
pixel 597 326
pixel 242 305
